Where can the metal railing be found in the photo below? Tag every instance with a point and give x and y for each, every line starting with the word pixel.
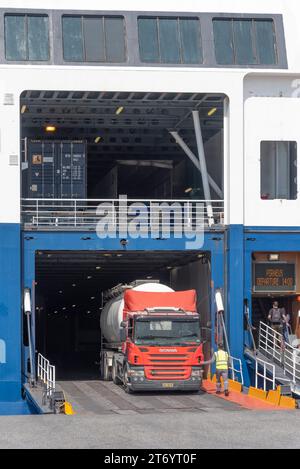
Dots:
pixel 159 215
pixel 272 344
pixel 236 370
pixel 268 369
pixel 46 375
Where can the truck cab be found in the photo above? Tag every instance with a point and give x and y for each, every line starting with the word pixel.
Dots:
pixel 162 350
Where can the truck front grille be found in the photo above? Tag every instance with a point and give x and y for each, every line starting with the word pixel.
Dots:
pixel 162 373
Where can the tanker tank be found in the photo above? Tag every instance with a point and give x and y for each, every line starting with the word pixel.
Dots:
pixel 112 313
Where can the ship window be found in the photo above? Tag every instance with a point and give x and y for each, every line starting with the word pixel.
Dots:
pixel 93 39
pixel 245 41
pixel 27 37
pixel 170 40
pixel 278 170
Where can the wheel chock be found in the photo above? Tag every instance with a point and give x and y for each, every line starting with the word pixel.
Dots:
pixel 68 409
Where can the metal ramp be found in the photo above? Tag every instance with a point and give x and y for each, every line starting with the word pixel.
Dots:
pixel 278 360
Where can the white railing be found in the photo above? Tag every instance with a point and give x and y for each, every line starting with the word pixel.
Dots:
pixel 236 369
pixel 46 375
pixel 158 214
pixel 272 343
pixel 268 369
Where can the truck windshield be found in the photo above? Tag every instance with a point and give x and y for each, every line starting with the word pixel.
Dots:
pixel 167 331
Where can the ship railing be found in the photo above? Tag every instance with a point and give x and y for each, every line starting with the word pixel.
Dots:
pixel 273 345
pixel 154 214
pixel 46 376
pixel 236 369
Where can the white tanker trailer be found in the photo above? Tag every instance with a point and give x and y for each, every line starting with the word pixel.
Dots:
pixel 112 313
pixel 151 338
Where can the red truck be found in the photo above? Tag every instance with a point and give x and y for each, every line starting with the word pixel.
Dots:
pixel 152 340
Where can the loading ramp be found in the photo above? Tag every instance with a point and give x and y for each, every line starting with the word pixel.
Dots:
pixel 279 360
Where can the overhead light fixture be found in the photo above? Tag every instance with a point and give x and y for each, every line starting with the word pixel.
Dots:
pixel 64 308
pixel 73 306
pixel 98 267
pixel 188 190
pixel 119 110
pixel 60 291
pixel 149 277
pixel 23 109
pixel 169 267
pixel 212 111
pixel 273 257
pixel 89 277
pixel 97 139
pixel 73 284
pixel 50 128
pixel 92 297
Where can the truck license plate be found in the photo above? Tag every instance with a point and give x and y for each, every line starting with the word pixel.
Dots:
pixel 168 385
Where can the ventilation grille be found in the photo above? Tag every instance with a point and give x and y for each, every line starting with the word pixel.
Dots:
pixel 13 160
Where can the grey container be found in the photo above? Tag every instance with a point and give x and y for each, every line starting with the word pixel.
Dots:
pixel 55 170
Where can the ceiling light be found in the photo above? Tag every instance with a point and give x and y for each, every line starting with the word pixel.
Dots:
pixel 212 111
pixel 169 267
pixel 89 277
pixel 23 109
pixel 55 312
pixel 273 257
pixel 107 254
pixel 64 308
pixel 60 291
pixel 98 139
pixel 149 277
pixel 188 190
pixel 73 284
pixel 50 128
pixel 92 297
pixel 119 110
pixel 98 267
pixel 88 312
pixel 73 306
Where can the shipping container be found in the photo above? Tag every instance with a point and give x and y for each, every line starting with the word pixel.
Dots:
pixel 55 169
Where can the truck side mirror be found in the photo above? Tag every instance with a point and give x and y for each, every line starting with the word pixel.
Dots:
pixel 123 334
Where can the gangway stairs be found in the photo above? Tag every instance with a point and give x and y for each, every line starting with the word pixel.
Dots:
pixel 279 361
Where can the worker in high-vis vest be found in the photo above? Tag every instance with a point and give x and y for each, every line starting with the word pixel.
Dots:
pixel 222 364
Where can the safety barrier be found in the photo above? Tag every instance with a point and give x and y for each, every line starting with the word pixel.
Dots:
pixel 268 368
pixel 272 344
pixel 46 375
pixel 159 215
pixel 236 371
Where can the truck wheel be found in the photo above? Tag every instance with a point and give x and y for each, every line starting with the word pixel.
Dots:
pixel 127 388
pixel 115 378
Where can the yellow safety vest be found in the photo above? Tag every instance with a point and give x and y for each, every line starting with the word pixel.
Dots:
pixel 221 360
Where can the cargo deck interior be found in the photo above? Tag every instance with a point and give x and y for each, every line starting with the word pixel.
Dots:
pixel 68 300
pixel 130 144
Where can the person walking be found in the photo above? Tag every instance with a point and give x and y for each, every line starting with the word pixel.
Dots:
pixel 221 358
pixel 276 317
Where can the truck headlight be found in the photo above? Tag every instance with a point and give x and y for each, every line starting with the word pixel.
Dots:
pixel 136 373
pixel 196 373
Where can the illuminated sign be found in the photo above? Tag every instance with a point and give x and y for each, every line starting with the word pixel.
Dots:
pixel 274 277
